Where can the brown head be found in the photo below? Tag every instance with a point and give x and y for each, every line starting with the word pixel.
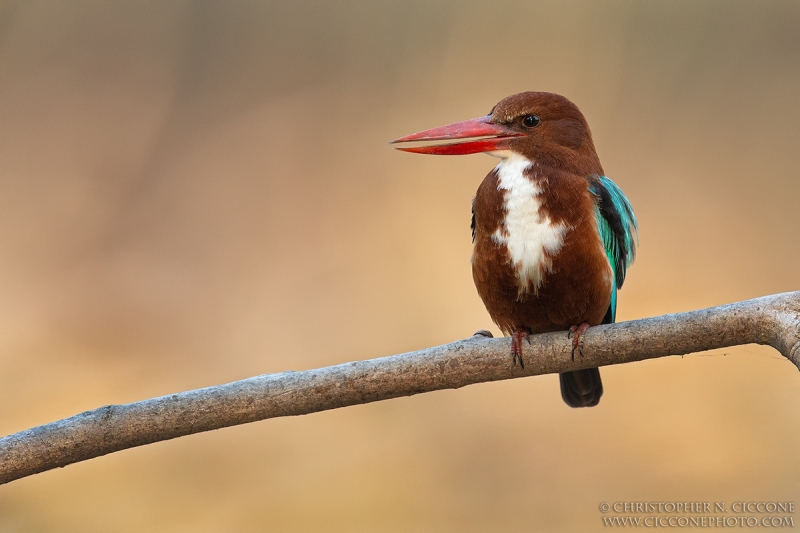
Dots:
pixel 542 127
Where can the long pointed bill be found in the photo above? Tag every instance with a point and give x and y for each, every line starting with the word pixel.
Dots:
pixel 487 137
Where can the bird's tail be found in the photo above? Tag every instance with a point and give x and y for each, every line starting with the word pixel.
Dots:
pixel 581 388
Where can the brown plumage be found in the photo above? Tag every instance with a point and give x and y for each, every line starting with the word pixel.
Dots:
pixel 577 286
pixel 539 261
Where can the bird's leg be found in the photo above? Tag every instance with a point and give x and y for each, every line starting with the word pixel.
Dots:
pixel 576 334
pixel 516 344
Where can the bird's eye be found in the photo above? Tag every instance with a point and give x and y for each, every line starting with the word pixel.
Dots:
pixel 530 121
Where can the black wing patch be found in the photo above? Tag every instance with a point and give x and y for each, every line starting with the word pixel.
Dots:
pixel 617 225
pixel 472 224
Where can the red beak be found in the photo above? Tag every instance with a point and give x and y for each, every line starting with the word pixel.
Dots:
pixel 498 138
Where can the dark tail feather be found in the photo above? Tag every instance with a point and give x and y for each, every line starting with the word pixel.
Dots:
pixel 581 388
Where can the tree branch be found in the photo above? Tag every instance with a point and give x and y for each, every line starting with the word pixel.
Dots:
pixel 772 320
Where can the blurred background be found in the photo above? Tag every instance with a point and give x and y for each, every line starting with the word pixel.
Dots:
pixel 197 192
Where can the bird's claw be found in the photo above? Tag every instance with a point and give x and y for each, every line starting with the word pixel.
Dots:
pixel 516 345
pixel 576 334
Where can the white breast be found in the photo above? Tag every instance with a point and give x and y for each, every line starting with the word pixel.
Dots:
pixel 527 233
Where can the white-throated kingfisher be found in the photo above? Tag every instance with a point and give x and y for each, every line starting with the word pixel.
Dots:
pixel 553 236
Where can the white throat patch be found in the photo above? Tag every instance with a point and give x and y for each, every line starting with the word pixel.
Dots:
pixel 528 234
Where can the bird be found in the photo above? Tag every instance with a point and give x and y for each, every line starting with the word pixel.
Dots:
pixel 553 236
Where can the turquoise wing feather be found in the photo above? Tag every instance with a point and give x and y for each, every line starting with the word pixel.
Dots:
pixel 618 230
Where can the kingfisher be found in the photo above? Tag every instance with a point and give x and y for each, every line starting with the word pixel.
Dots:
pixel 553 235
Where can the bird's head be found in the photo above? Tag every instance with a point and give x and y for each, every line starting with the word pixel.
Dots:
pixel 539 126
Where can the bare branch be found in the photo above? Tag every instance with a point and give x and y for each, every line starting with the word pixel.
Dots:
pixel 772 320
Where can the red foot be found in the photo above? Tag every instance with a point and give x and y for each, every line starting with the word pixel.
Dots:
pixel 576 332
pixel 516 344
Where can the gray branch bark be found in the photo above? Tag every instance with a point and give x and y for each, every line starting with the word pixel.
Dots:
pixel 772 320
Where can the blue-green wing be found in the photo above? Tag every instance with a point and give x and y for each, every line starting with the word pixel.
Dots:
pixel 618 230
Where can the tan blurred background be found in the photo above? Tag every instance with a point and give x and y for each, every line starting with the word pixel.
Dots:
pixel 193 193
